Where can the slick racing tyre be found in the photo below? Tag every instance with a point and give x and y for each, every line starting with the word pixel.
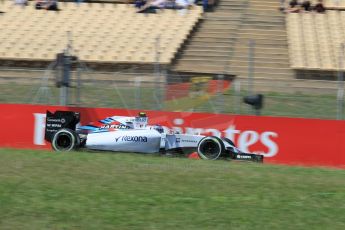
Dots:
pixel 65 140
pixel 210 148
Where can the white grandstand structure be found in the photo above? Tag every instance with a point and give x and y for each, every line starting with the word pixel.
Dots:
pixel 106 33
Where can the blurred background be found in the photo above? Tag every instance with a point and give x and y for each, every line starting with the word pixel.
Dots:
pixel 203 56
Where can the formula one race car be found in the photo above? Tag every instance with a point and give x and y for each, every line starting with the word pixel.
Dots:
pixel 133 134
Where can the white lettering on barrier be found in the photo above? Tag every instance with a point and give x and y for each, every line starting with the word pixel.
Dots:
pixel 246 139
pixel 231 131
pixel 194 131
pixel 215 132
pixel 39 126
pixel 271 145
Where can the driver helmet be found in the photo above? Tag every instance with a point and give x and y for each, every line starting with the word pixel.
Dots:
pixel 142 114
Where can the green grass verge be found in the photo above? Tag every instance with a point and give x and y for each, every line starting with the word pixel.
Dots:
pixel 46 190
pixel 114 96
pixel 101 95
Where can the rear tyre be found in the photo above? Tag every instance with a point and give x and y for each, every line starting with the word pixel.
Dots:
pixel 65 140
pixel 211 148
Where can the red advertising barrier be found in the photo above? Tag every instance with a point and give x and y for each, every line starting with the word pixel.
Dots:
pixel 296 141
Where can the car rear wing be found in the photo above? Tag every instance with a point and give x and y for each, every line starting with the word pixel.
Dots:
pixel 59 120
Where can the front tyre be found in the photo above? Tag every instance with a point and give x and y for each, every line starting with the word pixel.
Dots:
pixel 211 148
pixel 65 140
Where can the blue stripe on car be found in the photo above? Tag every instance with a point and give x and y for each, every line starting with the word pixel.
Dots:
pixel 88 127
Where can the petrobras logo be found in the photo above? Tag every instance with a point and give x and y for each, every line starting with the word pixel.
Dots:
pixel 243 157
pixel 189 141
pixel 131 138
pixel 141 119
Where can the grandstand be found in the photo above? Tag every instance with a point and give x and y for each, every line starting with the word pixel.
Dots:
pixel 224 35
pixel 219 44
pixel 100 33
pixel 109 36
pixel 331 4
pixel 315 40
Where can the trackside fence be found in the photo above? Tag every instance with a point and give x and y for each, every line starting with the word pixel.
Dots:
pixel 171 92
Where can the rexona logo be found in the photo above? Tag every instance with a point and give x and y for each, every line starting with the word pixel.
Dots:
pixel 132 138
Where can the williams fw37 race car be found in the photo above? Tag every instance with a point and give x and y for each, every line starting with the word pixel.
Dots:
pixel 133 134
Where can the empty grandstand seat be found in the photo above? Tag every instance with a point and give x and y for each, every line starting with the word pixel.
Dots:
pixel 99 32
pixel 316 38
